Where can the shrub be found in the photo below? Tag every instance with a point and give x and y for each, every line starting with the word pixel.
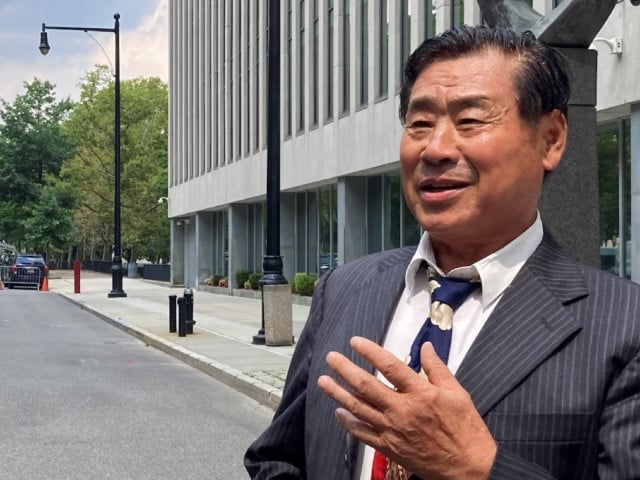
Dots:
pixel 304 283
pixel 254 279
pixel 214 279
pixel 241 278
pixel 247 285
pixel 223 282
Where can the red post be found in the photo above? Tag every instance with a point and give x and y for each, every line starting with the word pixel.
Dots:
pixel 76 276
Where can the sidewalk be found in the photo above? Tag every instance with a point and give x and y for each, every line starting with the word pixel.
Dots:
pixel 221 342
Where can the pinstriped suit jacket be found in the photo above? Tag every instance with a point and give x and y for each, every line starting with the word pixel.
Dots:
pixel 555 372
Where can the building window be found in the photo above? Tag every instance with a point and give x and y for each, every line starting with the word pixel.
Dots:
pixel 457 13
pixel 301 66
pixel 383 49
pixel 313 77
pixel 346 54
pixel 231 90
pixel 364 52
pixel 614 176
pixel 374 214
pixel 289 72
pixel 222 130
pixel 246 140
pixel 328 229
pixel 256 129
pixel 329 67
pixel 404 43
pixel 429 20
pixel 239 78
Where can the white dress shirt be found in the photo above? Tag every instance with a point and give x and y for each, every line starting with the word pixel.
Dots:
pixel 496 273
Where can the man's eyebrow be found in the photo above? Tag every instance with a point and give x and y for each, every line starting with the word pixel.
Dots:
pixel 428 103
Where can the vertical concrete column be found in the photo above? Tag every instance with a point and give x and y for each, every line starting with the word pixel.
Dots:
pixel 177 254
pixel 352 221
pixel 634 251
pixel 238 240
pixel 204 246
pixel 570 202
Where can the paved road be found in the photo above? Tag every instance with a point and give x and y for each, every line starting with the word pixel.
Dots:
pixel 80 399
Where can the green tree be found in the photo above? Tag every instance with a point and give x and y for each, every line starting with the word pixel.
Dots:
pixel 90 173
pixel 32 146
pixel 50 224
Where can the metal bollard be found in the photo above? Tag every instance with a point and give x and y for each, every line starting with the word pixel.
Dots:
pixel 172 313
pixel 182 318
pixel 188 306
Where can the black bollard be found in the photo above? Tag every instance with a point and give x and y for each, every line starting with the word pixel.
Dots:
pixel 172 313
pixel 188 307
pixel 182 318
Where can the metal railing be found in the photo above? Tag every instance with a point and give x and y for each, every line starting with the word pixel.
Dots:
pixel 21 276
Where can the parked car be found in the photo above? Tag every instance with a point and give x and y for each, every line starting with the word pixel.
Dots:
pixel 27 270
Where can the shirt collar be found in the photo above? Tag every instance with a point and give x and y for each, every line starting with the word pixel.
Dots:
pixel 496 271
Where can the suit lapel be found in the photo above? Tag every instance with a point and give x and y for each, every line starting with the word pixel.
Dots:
pixel 370 312
pixel 528 324
pixel 371 308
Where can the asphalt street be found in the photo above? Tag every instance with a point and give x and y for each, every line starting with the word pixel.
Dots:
pixel 81 399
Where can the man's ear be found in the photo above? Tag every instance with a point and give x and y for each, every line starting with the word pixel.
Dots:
pixel 554 135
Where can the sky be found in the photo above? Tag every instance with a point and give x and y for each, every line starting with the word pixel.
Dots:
pixel 143 42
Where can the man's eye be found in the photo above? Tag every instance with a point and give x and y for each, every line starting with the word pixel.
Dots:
pixel 418 127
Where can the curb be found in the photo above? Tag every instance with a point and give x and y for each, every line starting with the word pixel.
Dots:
pixel 250 386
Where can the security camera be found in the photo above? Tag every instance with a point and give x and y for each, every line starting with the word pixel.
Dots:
pixel 635 2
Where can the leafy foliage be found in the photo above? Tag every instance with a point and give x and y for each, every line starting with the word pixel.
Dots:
pixel 32 149
pixel 90 173
pixel 57 168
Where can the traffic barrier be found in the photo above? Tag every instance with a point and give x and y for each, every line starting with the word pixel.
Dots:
pixel 4 272
pixel 13 276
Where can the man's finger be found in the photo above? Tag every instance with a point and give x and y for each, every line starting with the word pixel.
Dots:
pixel 396 372
pixel 361 431
pixel 362 382
pixel 437 371
pixel 358 406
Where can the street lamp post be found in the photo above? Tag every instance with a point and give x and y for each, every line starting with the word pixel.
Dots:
pixel 116 268
pixel 272 261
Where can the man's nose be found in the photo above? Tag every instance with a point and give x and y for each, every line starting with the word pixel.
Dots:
pixel 442 145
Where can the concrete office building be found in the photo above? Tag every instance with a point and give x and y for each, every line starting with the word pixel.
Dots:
pixel 341 65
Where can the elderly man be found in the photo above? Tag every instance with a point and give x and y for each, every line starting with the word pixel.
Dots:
pixel 485 352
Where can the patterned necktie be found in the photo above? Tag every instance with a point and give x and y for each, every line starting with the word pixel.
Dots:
pixel 447 294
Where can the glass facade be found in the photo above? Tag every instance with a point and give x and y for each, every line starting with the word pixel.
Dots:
pixel 315 59
pixel 288 73
pixel 346 55
pixel 457 13
pixel 383 50
pixel 329 57
pixel 364 53
pixel 614 172
pixel 301 65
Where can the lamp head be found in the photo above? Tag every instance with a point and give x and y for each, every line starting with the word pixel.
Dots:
pixel 44 42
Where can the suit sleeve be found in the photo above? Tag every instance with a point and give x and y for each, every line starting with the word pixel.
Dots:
pixel 279 453
pixel 619 434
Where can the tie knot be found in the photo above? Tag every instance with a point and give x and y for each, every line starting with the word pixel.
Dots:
pixel 451 291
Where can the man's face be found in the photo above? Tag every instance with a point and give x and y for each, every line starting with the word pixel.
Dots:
pixel 472 169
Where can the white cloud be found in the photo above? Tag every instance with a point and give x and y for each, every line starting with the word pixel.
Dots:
pixel 143 47
pixel 144 50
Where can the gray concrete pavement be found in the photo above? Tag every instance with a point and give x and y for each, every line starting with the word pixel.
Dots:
pixel 221 343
